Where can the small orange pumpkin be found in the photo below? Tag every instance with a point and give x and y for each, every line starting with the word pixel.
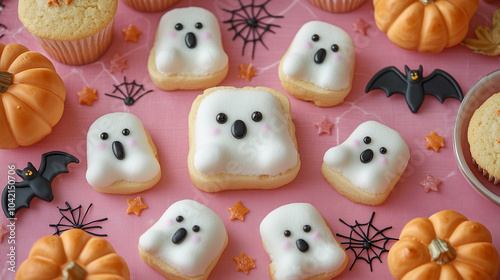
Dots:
pixel 73 255
pixel 444 246
pixel 428 26
pixel 31 96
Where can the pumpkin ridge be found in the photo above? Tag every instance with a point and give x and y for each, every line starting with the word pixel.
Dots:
pixel 44 88
pixel 41 116
pixel 7 127
pixel 56 83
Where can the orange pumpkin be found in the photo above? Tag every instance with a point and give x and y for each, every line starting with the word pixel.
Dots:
pixel 428 26
pixel 444 246
pixel 73 255
pixel 31 96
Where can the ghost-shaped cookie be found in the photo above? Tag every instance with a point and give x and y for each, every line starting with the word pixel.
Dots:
pixel 368 164
pixel 319 64
pixel 121 157
pixel 242 138
pixel 300 244
pixel 186 242
pixel 188 51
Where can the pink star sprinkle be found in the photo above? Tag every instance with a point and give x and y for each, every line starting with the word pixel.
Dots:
pixel 360 26
pixel 117 63
pixel 3 232
pixel 324 126
pixel 430 183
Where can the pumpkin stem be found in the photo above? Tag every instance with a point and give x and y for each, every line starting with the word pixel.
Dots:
pixel 5 81
pixel 441 251
pixel 427 1
pixel 74 271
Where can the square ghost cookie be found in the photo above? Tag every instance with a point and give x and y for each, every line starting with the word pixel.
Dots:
pixel 368 164
pixel 300 244
pixel 319 64
pixel 185 243
pixel 121 156
pixel 241 138
pixel 188 52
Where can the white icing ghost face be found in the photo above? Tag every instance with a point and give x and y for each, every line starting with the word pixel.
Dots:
pixel 371 157
pixel 242 132
pixel 189 42
pixel 299 242
pixel 188 237
pixel 322 54
pixel 118 148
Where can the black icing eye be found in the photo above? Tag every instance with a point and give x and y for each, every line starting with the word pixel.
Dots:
pixel 315 38
pixel 335 48
pixel 125 132
pixel 104 136
pixel 383 150
pixel 196 228
pixel 287 233
pixel 221 118
pixel 256 116
pixel 367 140
pixel 307 228
pixel 178 27
pixel 179 219
pixel 198 25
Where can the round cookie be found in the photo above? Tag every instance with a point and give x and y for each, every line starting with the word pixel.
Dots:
pixel 294 235
pixel 319 64
pixel 484 138
pixel 185 243
pixel 368 164
pixel 241 138
pixel 121 156
pixel 188 52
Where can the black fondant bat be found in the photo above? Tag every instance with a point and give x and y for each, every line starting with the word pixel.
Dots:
pixel 35 183
pixel 414 86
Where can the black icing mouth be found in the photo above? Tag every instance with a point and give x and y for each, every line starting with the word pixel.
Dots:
pixel 118 150
pixel 179 236
pixel 302 245
pixel 190 40
pixel 320 56
pixel 366 156
pixel 239 129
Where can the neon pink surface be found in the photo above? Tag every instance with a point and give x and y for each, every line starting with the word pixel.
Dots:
pixel 165 114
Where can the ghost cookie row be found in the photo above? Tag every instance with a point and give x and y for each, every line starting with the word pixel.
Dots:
pixel 189 238
pixel 188 54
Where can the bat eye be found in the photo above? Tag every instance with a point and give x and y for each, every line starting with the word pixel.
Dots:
pixel 221 118
pixel 335 48
pixel 179 219
pixel 196 228
pixel 307 228
pixel 104 136
pixel 367 140
pixel 315 38
pixel 125 132
pixel 287 233
pixel 178 27
pixel 198 25
pixel 256 116
pixel 383 150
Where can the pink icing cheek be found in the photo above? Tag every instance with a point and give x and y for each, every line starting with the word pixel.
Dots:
pixel 206 36
pixel 131 143
pixel 195 239
pixel 336 57
pixel 383 160
pixel 172 34
pixel 355 143
pixel 286 245
pixel 215 131
pixel 308 45
pixel 265 128
pixel 169 222
pixel 101 146
pixel 316 236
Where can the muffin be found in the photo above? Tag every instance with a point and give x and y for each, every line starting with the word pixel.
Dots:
pixel 337 6
pixel 73 32
pixel 150 5
pixel 484 138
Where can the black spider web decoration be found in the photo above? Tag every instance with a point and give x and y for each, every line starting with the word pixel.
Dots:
pixel 2 26
pixel 360 238
pixel 70 220
pixel 128 92
pixel 2 5
pixel 247 23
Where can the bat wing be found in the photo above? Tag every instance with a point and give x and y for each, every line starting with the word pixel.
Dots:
pixel 16 198
pixel 442 85
pixel 390 79
pixel 55 163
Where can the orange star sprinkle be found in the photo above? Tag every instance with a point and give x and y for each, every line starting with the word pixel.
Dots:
pixel 247 72
pixel 131 34
pixel 238 211
pixel 498 113
pixel 53 3
pixel 87 96
pixel 434 141
pixel 244 263
pixel 135 206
